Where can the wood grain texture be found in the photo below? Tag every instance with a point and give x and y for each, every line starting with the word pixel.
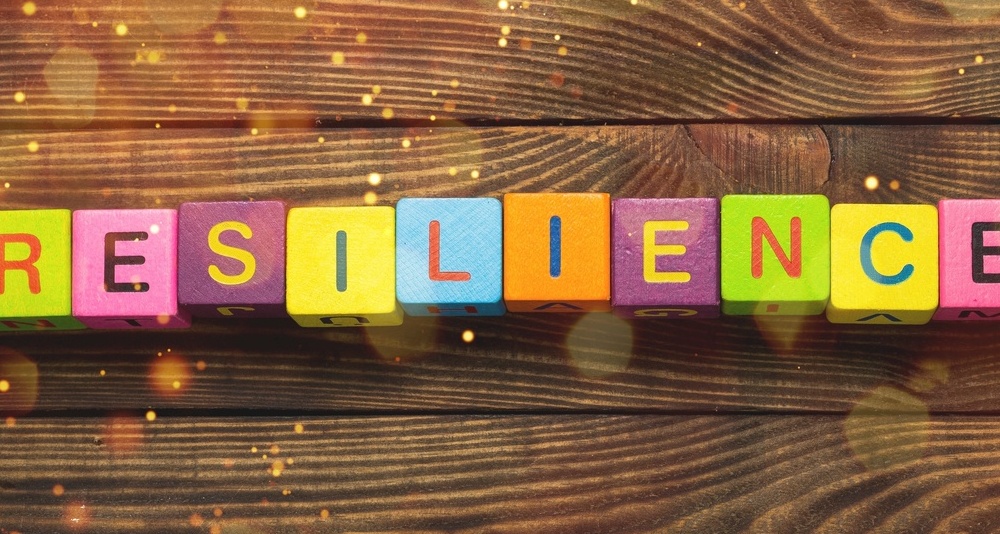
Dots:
pixel 502 474
pixel 258 62
pixel 556 363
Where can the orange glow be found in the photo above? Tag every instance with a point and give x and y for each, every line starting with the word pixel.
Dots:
pixel 170 375
pixel 122 434
pixel 18 382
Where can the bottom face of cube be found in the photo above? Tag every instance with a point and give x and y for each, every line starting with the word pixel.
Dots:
pixel 393 318
pixel 871 316
pixel 180 319
pixel 247 311
pixel 967 314
pixel 566 306
pixel 36 324
pixel 667 312
pixel 465 309
pixel 801 307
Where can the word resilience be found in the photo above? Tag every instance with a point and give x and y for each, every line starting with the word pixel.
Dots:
pixel 535 252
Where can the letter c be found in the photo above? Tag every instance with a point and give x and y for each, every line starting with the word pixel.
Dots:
pixel 866 253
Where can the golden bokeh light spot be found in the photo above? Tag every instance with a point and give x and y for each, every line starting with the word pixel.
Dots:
pixel 103 372
pixel 77 516
pixel 562 51
pixel 10 421
pixel 434 92
pixel 121 30
pixel 195 15
pixel 979 59
pixel 361 38
pixel 374 178
pixel 300 12
pixel 19 384
pixel 894 185
pixel 468 336
pixel 299 428
pixel 557 37
pixel 277 467
pixel 275 449
pixel 19 97
pixel 634 2
pixel 254 131
pixel 58 490
pixel 961 71
pixel 433 118
pixel 406 143
pixel 33 146
pixel 217 512
pixel 286 491
pixel 200 365
pixel 503 4
pixel 502 42
pixel 242 103
pixel 151 416
pixel 215 529
pixel 4 386
pixel 253 450
pixel 172 108
pixel 169 375
pixel 871 182
pixel 370 198
pixel 376 89
pixel 220 38
pixel 6 185
pixel 455 83
pixel 449 105
pixel 474 174
pixel 888 428
pixel 324 514
pixel 321 140
pixel 29 8
pixel 176 384
pixel 743 5
pixel 504 30
pixel 367 100
pixel 387 113
pixel 600 344
pixel 337 58
pixel 452 171
pixel 153 57
pixel 157 126
pixel 196 520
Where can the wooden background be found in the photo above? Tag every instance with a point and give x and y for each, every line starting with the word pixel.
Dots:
pixel 549 423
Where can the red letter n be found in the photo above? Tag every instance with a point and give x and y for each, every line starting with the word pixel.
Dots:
pixel 27 264
pixel 759 230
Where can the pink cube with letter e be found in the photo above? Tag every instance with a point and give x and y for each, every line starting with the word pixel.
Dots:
pixel 125 269
pixel 969 241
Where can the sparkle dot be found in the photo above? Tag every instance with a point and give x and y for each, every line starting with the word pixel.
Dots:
pixel 337 58
pixel 374 178
pixel 29 8
pixel 19 97
pixel 361 38
pixel 324 514
pixel 196 520
pixel 387 113
pixel 474 174
pixel 699 43
pixel 961 71
pixel 502 42
pixel 557 37
pixel 200 365
pixel 217 512
pixel 4 386
pixel 275 450
pixel 300 12
pixel 371 198
pixel 979 59
pixel 563 51
pixel 503 4
pixel 366 100
pixel 894 185
pixel 172 108
pixel 33 146
pixel 220 38
pixel 434 92
pixel 871 182
pixel 254 131
pixel 154 229
pixel 468 336
pixel 504 30
pixel 103 372
pixel 299 428
pixel 93 24
pixel 121 30
pixel 253 450
pixel 321 140
pixel 58 490
pixel 6 185
pixel 634 2
pixel 453 171
pixel 157 126
pixel 242 103
pixel 406 143
pixel 454 83
pixel 177 384
pixel 376 89
pixel 743 5
pixel 151 416
pixel 10 421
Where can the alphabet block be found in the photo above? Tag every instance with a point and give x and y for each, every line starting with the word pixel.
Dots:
pixel 666 257
pixel 341 267
pixel 35 271
pixel 970 260
pixel 884 263
pixel 125 269
pixel 557 252
pixel 775 254
pixel 449 256
pixel 232 259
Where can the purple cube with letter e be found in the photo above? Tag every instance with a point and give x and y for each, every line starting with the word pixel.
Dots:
pixel 232 259
pixel 666 257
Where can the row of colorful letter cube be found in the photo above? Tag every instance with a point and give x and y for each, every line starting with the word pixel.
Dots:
pixel 349 266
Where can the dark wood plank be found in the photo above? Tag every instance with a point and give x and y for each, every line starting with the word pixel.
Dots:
pixel 442 58
pixel 516 363
pixel 503 474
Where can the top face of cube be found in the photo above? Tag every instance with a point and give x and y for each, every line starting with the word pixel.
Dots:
pixel 449 250
pixel 776 248
pixel 665 251
pixel 231 253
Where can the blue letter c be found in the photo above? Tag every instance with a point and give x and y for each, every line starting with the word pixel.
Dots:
pixel 866 253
